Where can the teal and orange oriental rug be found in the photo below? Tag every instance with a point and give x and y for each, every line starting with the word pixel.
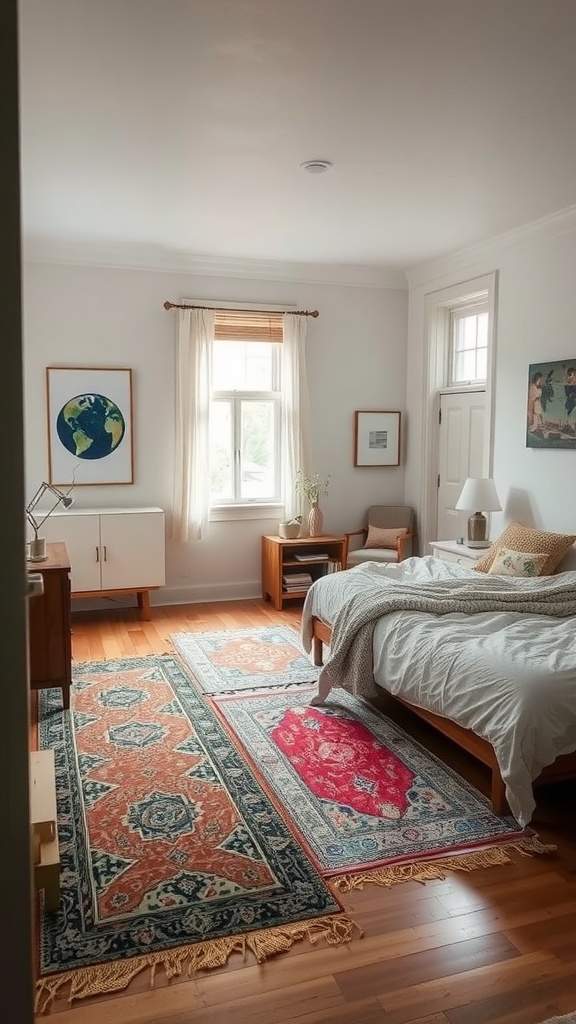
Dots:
pixel 172 853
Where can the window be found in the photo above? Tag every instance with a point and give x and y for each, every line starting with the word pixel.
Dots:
pixel 245 410
pixel 468 344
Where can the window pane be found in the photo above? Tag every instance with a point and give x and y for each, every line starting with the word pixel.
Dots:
pixel 465 367
pixel 257 449
pixel 221 452
pixel 242 365
pixel 481 364
pixel 470 331
pixel 482 330
pixel 458 334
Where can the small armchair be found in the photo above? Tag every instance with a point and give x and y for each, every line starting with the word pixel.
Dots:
pixel 387 548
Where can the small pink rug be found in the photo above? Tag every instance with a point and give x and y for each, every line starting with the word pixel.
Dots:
pixel 361 792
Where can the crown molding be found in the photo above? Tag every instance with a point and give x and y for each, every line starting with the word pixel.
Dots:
pixel 157 259
pixel 486 253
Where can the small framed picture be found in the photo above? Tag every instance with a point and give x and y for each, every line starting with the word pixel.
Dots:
pixel 376 438
pixel 89 425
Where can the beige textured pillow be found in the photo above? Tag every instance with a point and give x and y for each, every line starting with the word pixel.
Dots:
pixel 381 538
pixel 517 563
pixel 523 538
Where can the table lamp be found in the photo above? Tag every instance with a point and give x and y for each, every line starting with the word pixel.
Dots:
pixel 478 493
pixel 38 545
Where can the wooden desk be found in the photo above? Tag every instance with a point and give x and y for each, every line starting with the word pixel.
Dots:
pixel 49 639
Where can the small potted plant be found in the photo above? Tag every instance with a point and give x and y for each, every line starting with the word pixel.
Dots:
pixel 290 529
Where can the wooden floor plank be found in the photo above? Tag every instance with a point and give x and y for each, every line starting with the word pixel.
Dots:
pixel 451 958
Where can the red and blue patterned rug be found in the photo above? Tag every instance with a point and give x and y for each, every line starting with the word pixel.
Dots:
pixel 370 803
pixel 230 660
pixel 171 851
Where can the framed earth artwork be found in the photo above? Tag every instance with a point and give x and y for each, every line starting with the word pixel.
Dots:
pixel 89 425
pixel 551 405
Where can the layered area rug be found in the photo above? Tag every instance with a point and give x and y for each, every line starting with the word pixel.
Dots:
pixel 246 659
pixel 369 802
pixel 172 853
pixel 569 1018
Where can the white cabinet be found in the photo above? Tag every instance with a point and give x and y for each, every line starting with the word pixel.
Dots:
pixel 451 551
pixel 120 550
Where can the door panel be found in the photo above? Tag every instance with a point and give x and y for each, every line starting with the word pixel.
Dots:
pixel 132 550
pixel 81 535
pixel 460 454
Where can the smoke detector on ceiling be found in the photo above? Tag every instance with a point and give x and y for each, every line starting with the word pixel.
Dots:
pixel 315 166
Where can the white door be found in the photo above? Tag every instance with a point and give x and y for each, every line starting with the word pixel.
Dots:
pixel 460 454
pixel 81 535
pixel 132 550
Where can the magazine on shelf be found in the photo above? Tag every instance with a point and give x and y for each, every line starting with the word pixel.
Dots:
pixel 316 557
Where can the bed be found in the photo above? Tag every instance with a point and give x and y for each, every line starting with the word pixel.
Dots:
pixel 489 661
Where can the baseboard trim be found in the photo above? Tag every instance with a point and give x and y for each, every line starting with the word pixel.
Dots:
pixel 173 595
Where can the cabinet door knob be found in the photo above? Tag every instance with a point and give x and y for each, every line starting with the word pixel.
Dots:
pixel 97 554
pixel 104 550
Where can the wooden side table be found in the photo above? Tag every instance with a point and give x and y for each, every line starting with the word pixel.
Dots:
pixel 308 557
pixel 49 637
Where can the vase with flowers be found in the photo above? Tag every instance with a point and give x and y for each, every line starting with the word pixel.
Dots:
pixel 310 488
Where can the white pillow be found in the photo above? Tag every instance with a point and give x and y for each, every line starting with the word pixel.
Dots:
pixel 517 563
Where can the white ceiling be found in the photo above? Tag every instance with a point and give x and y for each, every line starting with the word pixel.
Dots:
pixel 181 124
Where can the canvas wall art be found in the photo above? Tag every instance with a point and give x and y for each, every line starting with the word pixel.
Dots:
pixel 551 405
pixel 89 425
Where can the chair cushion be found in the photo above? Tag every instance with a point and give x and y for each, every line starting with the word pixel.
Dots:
pixel 517 563
pixel 372 555
pixel 381 538
pixel 525 539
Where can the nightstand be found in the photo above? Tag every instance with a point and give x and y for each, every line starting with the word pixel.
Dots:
pixel 451 551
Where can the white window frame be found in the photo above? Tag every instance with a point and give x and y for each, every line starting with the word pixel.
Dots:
pixel 256 509
pixel 457 312
pixel 235 398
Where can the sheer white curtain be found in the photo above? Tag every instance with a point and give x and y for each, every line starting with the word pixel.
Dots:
pixel 192 413
pixel 295 410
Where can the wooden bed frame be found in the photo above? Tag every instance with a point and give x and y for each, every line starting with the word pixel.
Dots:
pixel 563 768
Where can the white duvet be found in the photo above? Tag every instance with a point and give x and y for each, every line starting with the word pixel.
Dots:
pixel 508 676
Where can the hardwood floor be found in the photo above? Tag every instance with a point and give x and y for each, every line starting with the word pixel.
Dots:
pixel 496 946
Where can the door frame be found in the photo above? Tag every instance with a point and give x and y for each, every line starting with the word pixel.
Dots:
pixel 437 307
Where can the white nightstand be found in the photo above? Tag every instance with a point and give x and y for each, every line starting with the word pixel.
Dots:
pixel 451 551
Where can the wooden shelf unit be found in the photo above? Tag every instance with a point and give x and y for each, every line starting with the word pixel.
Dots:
pixel 278 559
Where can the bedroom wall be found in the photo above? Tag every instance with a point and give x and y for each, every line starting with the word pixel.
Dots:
pixel 97 316
pixel 535 321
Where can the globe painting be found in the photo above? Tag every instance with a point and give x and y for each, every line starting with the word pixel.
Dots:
pixel 90 426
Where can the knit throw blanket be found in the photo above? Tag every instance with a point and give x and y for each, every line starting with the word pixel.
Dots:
pixel 350 663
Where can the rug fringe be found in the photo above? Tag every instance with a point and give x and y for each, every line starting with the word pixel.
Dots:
pixel 432 870
pixel 201 956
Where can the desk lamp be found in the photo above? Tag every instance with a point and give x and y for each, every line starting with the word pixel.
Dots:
pixel 38 545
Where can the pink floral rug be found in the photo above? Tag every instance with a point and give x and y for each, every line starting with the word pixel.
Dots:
pixel 360 791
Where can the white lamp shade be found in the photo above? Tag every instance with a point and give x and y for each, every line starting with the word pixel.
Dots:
pixel 478 495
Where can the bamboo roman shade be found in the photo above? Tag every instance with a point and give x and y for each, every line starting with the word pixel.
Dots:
pixel 247 325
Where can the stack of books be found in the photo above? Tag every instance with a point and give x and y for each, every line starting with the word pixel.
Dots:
pixel 294 581
pixel 313 557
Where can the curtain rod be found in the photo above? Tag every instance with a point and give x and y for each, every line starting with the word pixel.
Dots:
pixel 294 312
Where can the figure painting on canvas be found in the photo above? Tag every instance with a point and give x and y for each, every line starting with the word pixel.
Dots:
pixel 551 406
